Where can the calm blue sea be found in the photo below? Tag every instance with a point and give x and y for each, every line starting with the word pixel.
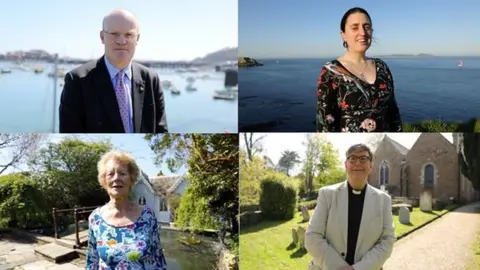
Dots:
pixel 27 102
pixel 280 96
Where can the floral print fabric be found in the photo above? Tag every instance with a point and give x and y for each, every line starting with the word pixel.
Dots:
pixel 132 247
pixel 348 104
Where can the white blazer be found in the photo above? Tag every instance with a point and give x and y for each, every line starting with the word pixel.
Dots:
pixel 326 236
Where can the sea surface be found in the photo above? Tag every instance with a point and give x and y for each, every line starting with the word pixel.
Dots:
pixel 281 95
pixel 29 103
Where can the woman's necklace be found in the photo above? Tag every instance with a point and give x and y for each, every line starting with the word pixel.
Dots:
pixel 361 73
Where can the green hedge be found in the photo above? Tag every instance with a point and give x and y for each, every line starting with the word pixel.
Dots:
pixel 277 199
pixel 309 204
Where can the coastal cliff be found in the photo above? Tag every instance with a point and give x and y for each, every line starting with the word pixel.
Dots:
pixel 248 62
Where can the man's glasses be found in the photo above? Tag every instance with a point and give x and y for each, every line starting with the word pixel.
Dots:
pixel 363 159
pixel 116 35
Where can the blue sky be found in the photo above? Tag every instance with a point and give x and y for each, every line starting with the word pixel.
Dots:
pixel 170 30
pixel 135 144
pixel 311 28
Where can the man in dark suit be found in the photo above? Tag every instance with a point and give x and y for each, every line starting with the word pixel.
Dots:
pixel 113 94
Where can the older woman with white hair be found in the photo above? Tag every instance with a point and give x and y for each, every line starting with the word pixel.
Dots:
pixel 122 234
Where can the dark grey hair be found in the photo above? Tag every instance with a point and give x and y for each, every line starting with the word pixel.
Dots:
pixel 360 147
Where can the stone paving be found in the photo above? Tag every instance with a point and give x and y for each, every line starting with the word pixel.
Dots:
pixel 14 253
pixel 20 255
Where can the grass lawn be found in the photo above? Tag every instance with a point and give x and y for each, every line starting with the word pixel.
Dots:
pixel 417 218
pixel 267 245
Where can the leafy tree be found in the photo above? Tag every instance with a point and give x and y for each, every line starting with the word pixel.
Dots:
pixel 313 145
pixel 249 179
pixel 213 163
pixel 67 172
pixel 469 156
pixel 21 202
pixel 17 147
pixel 287 161
pixel 173 204
pixel 328 166
pixel 191 212
pixel 252 146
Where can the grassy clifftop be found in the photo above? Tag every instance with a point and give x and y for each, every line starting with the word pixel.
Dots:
pixel 439 126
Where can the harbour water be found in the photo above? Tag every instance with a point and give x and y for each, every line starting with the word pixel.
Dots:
pixel 28 103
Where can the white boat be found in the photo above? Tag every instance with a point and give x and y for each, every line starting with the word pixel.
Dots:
pixel 174 90
pixel 232 88
pixel 224 94
pixel 166 84
pixel 59 74
pixel 190 87
pixel 4 71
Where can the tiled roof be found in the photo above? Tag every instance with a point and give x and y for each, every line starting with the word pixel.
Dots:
pixel 165 184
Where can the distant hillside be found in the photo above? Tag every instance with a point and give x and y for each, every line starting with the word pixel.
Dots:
pixel 223 55
pixel 408 55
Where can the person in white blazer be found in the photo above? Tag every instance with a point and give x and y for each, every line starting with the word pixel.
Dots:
pixel 352 226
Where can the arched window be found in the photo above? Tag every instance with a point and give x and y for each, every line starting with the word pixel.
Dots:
pixel 429 175
pixel 142 200
pixel 384 173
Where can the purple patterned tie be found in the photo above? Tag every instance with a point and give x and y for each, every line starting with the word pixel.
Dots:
pixel 123 100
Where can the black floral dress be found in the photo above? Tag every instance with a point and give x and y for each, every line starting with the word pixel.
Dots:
pixel 348 104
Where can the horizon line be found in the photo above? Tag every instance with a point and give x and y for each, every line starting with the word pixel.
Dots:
pixel 376 56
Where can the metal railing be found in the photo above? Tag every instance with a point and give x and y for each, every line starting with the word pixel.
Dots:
pixel 77 211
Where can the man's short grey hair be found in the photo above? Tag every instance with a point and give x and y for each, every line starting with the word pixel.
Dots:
pixel 360 147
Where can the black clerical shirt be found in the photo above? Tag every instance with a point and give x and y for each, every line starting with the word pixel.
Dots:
pixel 355 210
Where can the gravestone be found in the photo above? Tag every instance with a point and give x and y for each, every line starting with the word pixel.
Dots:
pixel 305 215
pixel 404 215
pixel 301 236
pixel 408 201
pixel 294 236
pixel 426 201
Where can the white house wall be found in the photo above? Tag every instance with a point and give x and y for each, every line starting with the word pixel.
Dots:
pixel 152 200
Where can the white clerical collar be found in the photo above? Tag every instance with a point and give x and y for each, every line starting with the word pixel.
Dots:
pixel 356 192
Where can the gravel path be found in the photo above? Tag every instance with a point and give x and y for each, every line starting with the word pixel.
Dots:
pixel 444 244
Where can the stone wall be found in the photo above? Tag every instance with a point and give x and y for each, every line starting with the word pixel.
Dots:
pixel 433 148
pixel 386 151
pixel 227 261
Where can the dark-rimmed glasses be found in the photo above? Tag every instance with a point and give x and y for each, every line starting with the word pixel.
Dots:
pixel 362 159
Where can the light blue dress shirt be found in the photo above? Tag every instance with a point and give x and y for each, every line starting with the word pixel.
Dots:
pixel 127 80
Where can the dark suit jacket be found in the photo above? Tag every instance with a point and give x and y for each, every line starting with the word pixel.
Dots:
pixel 88 103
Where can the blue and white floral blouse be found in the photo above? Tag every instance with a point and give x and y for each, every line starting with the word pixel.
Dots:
pixel 131 247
